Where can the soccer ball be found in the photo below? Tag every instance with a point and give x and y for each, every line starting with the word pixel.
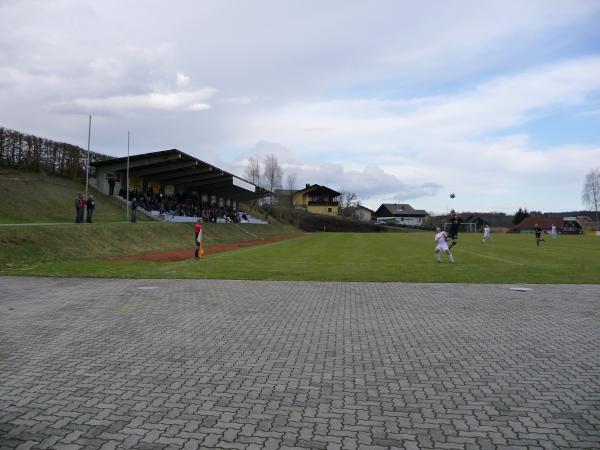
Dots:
pixel 452 195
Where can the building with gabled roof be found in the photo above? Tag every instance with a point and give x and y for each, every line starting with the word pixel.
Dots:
pixel 317 199
pixel 359 212
pixel 564 225
pixel 400 214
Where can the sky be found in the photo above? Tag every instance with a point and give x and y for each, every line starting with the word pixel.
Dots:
pixel 396 101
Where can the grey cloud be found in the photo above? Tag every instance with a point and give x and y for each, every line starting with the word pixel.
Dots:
pixel 369 182
pixel 417 191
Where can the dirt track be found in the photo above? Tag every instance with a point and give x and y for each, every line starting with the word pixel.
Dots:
pixel 179 255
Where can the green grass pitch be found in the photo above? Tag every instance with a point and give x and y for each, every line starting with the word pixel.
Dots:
pixel 406 257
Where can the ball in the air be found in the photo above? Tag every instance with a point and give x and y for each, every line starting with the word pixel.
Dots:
pixel 452 195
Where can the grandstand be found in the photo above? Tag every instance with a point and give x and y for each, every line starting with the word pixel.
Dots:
pixel 174 184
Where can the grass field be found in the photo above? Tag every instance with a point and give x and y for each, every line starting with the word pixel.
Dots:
pixel 362 257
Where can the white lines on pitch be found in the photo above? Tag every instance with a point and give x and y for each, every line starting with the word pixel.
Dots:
pixel 493 257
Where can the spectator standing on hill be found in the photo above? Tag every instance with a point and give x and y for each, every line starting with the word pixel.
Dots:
pixel 454 224
pixel 199 252
pixel 90 206
pixel 111 183
pixel 79 208
pixel 134 210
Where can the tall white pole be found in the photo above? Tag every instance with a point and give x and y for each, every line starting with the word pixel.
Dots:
pixel 87 165
pixel 127 204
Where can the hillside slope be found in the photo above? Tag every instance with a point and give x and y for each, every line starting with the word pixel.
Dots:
pixel 29 197
pixel 37 216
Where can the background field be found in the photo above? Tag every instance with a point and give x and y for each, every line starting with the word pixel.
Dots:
pixel 357 257
pixel 88 250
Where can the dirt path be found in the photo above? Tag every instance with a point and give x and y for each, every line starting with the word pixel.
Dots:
pixel 179 255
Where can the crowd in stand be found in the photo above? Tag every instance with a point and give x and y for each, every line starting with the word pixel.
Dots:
pixel 182 205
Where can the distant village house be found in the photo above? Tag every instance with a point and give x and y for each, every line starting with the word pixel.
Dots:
pixel 317 199
pixel 400 214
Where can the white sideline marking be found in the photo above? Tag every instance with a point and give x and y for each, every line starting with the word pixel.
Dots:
pixel 493 257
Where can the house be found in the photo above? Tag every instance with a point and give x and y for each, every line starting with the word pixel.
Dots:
pixel 566 225
pixel 359 212
pixel 400 214
pixel 317 199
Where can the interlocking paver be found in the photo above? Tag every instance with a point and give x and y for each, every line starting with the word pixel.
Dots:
pixel 233 364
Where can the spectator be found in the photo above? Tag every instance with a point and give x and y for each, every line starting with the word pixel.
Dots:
pixel 111 183
pixel 79 208
pixel 91 206
pixel 134 210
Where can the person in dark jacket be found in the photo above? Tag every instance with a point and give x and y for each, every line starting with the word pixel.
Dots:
pixel 90 206
pixel 111 183
pixel 134 210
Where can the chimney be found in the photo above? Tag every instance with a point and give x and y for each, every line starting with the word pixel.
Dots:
pixel 307 185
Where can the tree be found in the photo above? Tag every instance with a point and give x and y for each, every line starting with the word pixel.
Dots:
pixel 519 216
pixel 291 186
pixel 272 174
pixel 253 171
pixel 591 190
pixel 348 200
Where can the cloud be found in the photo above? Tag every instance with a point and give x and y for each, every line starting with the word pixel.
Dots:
pixel 175 101
pixel 182 79
pixel 373 124
pixel 437 102
pixel 241 100
pixel 367 182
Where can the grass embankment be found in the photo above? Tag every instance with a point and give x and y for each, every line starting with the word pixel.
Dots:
pixel 25 246
pixel 34 198
pixel 406 257
pixel 29 197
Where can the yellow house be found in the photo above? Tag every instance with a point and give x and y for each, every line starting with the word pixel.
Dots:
pixel 317 200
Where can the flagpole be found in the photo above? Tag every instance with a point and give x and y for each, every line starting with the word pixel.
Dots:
pixel 127 204
pixel 87 165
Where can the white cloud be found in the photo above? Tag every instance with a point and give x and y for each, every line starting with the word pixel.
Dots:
pixel 174 101
pixel 182 79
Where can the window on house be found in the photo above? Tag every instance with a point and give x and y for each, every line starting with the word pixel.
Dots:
pixel 329 209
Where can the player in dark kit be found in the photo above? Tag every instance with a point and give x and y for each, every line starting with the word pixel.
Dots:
pixel 538 235
pixel 454 224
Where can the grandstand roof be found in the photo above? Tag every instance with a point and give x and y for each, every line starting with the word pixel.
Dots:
pixel 185 172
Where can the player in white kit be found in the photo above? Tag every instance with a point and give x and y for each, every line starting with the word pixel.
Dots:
pixel 487 234
pixel 442 245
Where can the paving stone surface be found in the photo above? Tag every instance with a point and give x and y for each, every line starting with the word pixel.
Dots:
pixel 201 364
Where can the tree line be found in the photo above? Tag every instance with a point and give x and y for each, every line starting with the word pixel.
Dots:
pixel 27 152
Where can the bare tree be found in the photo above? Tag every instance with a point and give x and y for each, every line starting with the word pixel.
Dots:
pixel 348 200
pixel 253 171
pixel 591 190
pixel 272 174
pixel 290 183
